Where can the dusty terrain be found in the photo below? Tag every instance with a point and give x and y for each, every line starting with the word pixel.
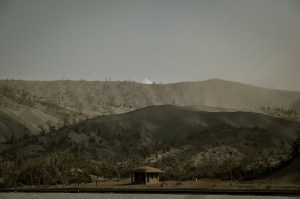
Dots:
pixel 35 104
pixel 184 141
pixel 193 135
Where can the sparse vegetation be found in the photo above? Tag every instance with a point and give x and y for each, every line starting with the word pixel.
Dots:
pixel 288 114
pixel 112 145
pixel 184 142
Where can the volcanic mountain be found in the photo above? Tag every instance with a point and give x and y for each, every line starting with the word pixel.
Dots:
pixel 39 106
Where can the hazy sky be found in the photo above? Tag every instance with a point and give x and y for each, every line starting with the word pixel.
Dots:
pixel 250 41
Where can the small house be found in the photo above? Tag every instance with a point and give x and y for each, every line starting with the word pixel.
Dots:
pixel 145 175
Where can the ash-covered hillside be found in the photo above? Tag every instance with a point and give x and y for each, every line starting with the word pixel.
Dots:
pixel 89 96
pixel 154 133
pixel 41 106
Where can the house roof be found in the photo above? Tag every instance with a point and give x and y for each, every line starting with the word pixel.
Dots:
pixel 146 169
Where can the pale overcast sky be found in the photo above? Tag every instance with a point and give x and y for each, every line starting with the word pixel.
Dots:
pixel 250 41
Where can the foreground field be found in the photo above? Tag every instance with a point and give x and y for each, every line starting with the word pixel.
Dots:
pixel 203 184
pixel 199 184
pixel 202 188
pixel 133 196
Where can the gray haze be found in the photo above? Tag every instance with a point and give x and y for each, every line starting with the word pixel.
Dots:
pixel 253 41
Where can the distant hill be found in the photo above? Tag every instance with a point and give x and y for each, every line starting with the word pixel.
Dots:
pixel 36 103
pixel 89 95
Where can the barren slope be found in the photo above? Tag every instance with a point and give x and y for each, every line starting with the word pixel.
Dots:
pixel 40 103
pixel 89 96
pixel 171 130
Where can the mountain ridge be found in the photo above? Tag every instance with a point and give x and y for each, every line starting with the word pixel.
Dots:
pixel 57 101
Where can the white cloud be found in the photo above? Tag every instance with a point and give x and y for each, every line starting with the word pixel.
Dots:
pixel 147 81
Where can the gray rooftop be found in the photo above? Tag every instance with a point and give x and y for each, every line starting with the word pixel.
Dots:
pixel 146 169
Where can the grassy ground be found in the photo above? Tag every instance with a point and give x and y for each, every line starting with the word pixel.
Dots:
pixel 203 187
pixel 209 184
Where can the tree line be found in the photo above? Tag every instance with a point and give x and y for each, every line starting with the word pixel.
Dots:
pixel 63 169
pixel 288 114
